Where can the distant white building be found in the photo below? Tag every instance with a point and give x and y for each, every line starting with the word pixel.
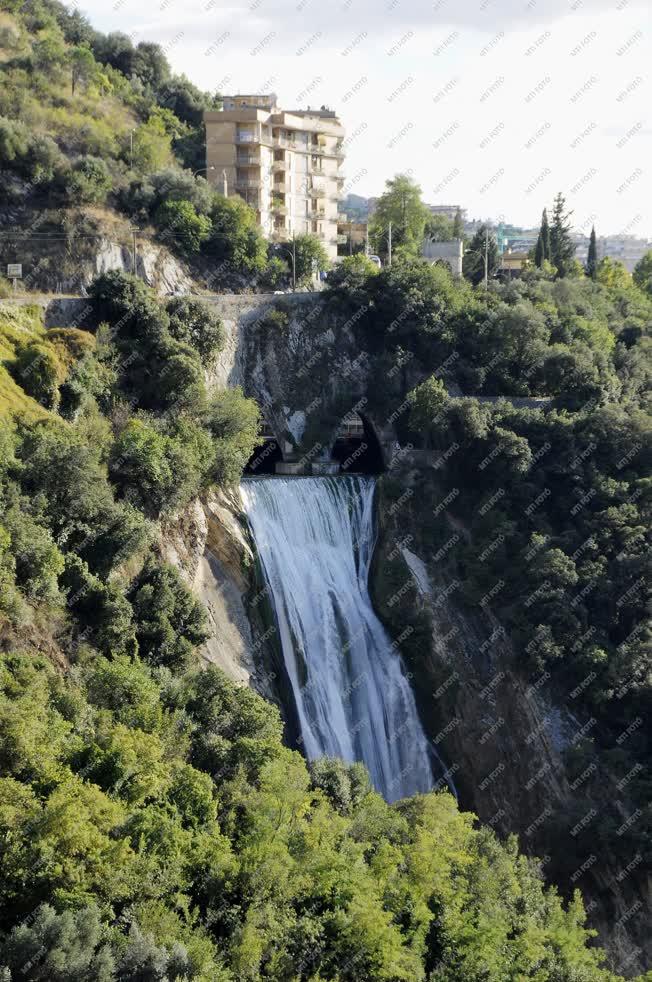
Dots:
pixel 448 252
pixel 627 249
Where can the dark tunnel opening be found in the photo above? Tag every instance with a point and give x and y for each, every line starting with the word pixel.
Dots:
pixel 264 459
pixel 357 448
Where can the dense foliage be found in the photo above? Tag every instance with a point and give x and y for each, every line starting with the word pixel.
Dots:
pixel 152 823
pixel 553 497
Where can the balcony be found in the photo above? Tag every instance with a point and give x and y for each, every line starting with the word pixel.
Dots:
pixel 283 143
pixel 280 188
pixel 278 208
pixel 317 192
pixel 245 137
pixel 341 239
pixel 248 183
pixel 247 160
pixel 278 166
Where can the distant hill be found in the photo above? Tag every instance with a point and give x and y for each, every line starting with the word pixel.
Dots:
pixel 356 207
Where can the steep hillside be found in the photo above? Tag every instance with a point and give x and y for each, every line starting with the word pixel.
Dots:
pixel 99 138
pixel 152 822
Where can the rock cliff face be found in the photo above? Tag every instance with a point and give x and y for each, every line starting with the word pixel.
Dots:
pixel 90 241
pixel 209 546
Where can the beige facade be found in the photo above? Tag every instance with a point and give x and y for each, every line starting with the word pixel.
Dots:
pixel 285 164
pixel 352 236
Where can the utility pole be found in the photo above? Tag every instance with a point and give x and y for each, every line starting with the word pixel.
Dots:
pixel 486 258
pixel 389 244
pixel 294 263
pixel 131 149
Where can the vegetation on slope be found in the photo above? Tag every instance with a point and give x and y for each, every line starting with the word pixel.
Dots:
pixel 555 502
pixel 90 122
pixel 153 823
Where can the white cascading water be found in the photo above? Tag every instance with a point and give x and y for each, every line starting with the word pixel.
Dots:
pixel 315 538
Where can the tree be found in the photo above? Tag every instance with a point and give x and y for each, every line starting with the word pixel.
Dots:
pixel 154 470
pixel 89 181
pixel 542 249
pixel 350 276
pixel 115 49
pixel 235 238
pixel 458 225
pixel 170 622
pixel 310 256
pixel 612 273
pixel 562 247
pixel 82 66
pixel 439 228
pixel 179 224
pixel 428 403
pixel 481 257
pixel 545 234
pixel 150 64
pixel 400 205
pixel 195 323
pixel 49 52
pixel 152 146
pixel 276 273
pixel 234 422
pixel 592 257
pixel 71 946
pixel 642 274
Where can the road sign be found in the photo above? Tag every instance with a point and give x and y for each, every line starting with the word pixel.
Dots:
pixel 14 271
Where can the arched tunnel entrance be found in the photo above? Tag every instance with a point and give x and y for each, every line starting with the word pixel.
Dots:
pixel 356 446
pixel 267 453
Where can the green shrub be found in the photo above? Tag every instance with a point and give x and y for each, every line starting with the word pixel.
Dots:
pixel 154 471
pixel 181 227
pixel 170 622
pixel 195 323
pixel 38 369
pixel 101 609
pixel 235 238
pixel 38 561
pixel 234 422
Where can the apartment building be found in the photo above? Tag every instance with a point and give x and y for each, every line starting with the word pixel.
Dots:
pixel 285 163
pixel 627 249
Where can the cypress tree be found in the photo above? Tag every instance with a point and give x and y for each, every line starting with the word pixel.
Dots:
pixel 538 252
pixel 458 225
pixel 592 258
pixel 562 247
pixel 545 234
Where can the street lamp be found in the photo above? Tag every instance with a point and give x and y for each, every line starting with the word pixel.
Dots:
pixel 203 170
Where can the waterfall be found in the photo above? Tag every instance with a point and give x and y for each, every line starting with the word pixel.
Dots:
pixel 315 539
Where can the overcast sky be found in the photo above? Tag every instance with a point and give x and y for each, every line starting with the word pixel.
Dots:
pixel 491 104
